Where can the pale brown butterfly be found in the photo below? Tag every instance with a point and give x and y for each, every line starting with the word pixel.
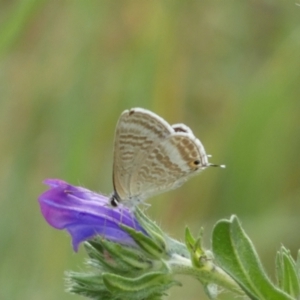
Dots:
pixel 151 157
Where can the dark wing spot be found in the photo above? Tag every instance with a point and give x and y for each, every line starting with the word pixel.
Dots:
pixel 179 129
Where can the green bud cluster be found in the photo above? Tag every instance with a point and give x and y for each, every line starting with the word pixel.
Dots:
pixel 146 271
pixel 126 272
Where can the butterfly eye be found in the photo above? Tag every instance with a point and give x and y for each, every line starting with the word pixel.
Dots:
pixel 194 164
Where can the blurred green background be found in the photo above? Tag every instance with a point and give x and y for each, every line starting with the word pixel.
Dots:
pixel 228 69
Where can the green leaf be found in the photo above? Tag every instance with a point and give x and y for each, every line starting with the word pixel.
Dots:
pixel 235 253
pixel 141 287
pixel 152 229
pixel 87 285
pixel 98 259
pixel 146 243
pixel 146 222
pixel 117 257
pixel 194 246
pixel 287 273
pixel 189 239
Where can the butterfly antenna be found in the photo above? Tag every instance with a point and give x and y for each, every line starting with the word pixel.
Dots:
pixel 219 166
pixel 214 165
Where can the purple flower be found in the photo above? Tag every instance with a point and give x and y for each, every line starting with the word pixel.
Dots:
pixel 85 214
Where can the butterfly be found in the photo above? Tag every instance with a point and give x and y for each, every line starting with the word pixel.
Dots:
pixel 151 157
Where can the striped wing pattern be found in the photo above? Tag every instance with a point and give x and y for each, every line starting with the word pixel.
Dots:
pixel 151 156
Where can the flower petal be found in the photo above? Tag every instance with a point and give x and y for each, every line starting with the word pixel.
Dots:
pixel 84 214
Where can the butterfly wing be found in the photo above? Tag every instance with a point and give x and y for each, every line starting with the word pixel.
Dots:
pixel 137 132
pixel 168 165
